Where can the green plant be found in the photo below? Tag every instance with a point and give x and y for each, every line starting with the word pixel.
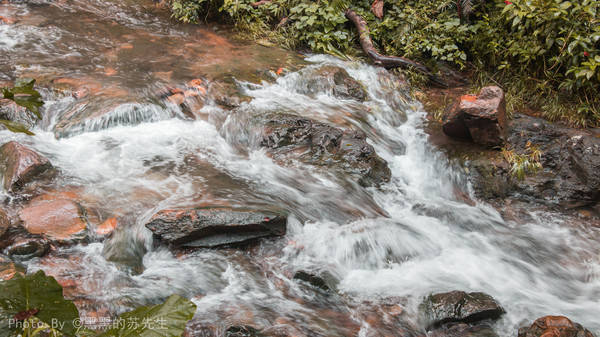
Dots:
pixel 523 164
pixel 33 305
pixel 23 94
pixel 544 53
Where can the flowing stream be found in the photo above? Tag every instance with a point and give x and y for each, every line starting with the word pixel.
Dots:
pixel 128 152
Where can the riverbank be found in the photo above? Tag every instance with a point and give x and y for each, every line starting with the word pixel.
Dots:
pixel 515 44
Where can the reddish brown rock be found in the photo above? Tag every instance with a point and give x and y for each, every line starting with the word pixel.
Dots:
pixel 7 268
pixel 107 227
pixel 60 220
pixel 19 165
pixel 7 20
pixel 481 118
pixel 4 223
pixel 554 326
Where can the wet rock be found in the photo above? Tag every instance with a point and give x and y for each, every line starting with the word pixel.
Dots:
pixel 481 118
pixel 9 110
pixel 325 281
pixel 458 306
pixel 4 223
pixel 24 248
pixel 7 268
pixel 242 331
pixel 214 227
pixel 226 94
pixel 107 227
pixel 570 160
pixel 333 80
pixel 554 326
pixel 321 144
pixel 7 20
pixel 463 330
pixel 282 330
pixel 59 220
pixel 20 165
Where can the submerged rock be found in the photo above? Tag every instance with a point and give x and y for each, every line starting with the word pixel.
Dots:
pixel 458 306
pixel 214 227
pixel 321 144
pixel 25 247
pixel 481 118
pixel 59 220
pixel 463 330
pixel 20 165
pixel 333 80
pixel 242 331
pixel 325 281
pixel 554 326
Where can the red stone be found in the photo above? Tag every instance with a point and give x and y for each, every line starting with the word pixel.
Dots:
pixel 59 220
pixel 481 118
pixel 20 165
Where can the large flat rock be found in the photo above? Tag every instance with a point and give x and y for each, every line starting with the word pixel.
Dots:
pixel 214 227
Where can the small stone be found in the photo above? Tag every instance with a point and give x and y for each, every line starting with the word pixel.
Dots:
pixel 7 268
pixel 107 227
pixel 325 281
pixel 4 223
pixel 26 248
pixel 554 326
pixel 20 165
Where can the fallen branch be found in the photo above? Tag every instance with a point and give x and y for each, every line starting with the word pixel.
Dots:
pixel 384 60
pixel 259 3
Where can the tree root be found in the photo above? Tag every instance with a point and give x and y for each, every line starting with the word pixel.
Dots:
pixel 384 60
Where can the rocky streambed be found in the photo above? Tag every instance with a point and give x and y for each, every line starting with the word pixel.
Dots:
pixel 285 195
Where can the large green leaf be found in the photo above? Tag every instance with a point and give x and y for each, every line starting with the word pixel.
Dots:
pixel 161 320
pixel 25 95
pixel 41 295
pixel 16 127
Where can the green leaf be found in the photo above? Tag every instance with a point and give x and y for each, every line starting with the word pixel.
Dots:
pixel 25 95
pixel 16 127
pixel 162 320
pixel 40 293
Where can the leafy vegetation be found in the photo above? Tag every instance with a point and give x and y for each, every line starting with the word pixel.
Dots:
pixel 33 305
pixel 523 164
pixel 23 94
pixel 545 53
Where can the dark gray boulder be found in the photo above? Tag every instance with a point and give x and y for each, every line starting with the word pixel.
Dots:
pixel 321 144
pixel 215 227
pixel 458 306
pixel 570 160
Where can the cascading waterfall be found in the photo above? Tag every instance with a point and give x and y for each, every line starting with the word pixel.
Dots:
pixel 409 238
